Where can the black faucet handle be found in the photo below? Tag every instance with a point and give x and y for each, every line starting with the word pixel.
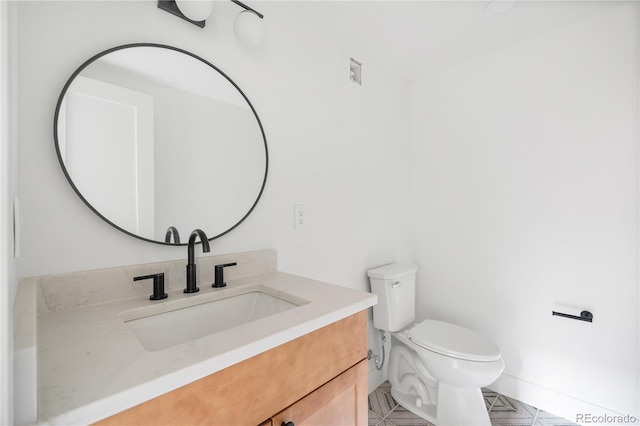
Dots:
pixel 158 285
pixel 219 274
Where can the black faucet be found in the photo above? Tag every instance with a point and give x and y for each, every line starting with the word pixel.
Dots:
pixel 191 262
pixel 172 231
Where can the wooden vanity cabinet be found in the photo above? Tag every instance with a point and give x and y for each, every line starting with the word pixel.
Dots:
pixel 337 402
pixel 317 379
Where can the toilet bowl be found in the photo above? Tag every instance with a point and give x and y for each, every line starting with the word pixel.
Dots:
pixel 436 369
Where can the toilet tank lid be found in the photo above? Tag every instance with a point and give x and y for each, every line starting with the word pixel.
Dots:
pixel 393 271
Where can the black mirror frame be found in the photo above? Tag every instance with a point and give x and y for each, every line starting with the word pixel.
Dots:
pixel 127 46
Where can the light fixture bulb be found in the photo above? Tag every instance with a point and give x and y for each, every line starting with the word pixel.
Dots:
pixel 249 28
pixel 196 10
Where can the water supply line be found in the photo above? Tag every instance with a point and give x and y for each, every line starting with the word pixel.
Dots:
pixel 379 363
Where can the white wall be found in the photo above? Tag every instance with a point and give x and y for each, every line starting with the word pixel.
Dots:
pixel 525 180
pixel 337 147
pixel 329 141
pixel 8 189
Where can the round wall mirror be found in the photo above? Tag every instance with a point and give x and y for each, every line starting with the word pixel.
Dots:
pixel 158 142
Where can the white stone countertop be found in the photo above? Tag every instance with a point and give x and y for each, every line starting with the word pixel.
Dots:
pixel 90 365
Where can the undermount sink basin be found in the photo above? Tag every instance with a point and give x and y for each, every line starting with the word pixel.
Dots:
pixel 157 331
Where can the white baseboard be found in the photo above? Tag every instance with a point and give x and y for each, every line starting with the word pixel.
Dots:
pixel 558 403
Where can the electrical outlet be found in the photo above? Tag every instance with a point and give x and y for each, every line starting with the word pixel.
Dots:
pixel 298 217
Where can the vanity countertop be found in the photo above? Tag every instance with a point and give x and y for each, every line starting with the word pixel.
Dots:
pixel 90 365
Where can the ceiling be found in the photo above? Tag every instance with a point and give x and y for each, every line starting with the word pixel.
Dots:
pixel 413 38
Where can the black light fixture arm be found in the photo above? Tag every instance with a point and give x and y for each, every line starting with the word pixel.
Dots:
pixel 171 7
pixel 245 7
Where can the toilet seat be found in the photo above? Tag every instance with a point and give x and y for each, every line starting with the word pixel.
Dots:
pixel 453 341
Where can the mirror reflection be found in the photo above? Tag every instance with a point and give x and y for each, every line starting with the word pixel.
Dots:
pixel 159 142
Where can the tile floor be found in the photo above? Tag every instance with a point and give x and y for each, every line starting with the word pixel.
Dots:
pixel 503 411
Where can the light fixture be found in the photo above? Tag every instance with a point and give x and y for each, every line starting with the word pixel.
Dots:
pixel 247 25
pixel 172 7
pixel 195 10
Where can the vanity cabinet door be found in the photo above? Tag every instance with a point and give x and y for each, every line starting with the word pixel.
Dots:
pixel 341 401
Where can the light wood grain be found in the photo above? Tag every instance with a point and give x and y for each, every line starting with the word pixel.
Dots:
pixel 340 402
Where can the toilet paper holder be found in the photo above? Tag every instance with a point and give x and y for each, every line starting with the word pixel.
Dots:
pixel 584 316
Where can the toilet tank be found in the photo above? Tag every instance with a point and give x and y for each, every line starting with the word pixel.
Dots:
pixel 395 285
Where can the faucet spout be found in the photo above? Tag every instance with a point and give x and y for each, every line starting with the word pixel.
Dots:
pixel 192 241
pixel 191 263
pixel 172 231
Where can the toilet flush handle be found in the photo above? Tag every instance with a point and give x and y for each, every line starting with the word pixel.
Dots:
pixel 396 284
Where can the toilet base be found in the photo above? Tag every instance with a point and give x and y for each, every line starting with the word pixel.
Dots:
pixel 456 407
pixel 413 387
pixel 409 401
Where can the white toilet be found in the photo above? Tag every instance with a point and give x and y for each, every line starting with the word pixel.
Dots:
pixel 436 369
